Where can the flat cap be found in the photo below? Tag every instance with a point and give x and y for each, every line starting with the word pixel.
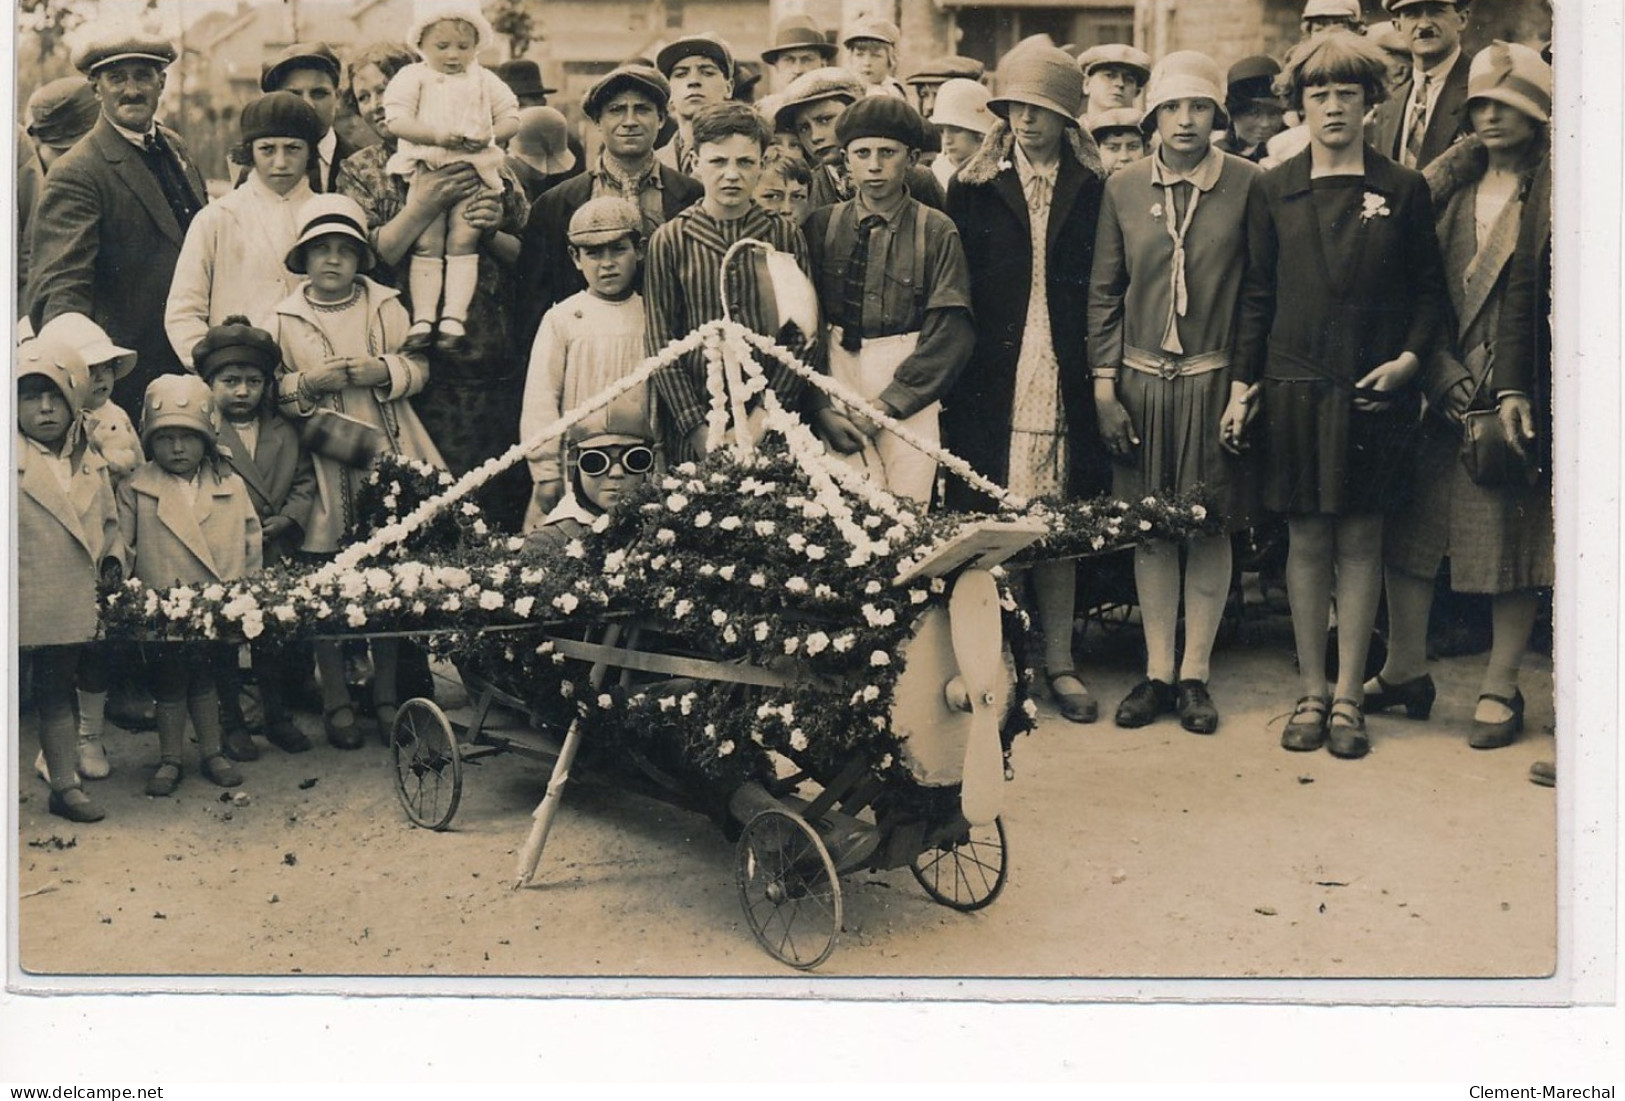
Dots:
pixel 951 67
pixel 626 78
pixel 877 29
pixel 811 87
pixel 1333 9
pixel 104 45
pixel 606 218
pixel 1396 5
pixel 300 55
pixel 1116 53
pixel 62 112
pixel 707 44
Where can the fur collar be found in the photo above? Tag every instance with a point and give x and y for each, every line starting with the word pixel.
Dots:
pixel 1464 164
pixel 998 150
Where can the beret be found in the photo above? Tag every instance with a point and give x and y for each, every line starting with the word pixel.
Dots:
pixel 235 342
pixel 881 117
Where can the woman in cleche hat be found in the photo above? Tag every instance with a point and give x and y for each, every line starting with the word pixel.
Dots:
pixel 1498 538
pixel 1342 302
pixel 231 262
pixel 1022 412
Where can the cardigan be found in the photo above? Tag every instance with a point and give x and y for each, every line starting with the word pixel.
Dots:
pixel 63 536
pixel 173 541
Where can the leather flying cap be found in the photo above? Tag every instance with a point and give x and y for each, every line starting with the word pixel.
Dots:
pixel 626 78
pixel 300 55
pixel 705 45
pixel 881 117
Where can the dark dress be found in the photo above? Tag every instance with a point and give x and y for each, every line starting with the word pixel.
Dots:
pixel 1343 274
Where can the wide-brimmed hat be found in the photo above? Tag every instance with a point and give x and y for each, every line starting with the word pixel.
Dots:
pixel 963 103
pixel 604 219
pixel 708 44
pixel 1042 75
pixel 1185 74
pixel 426 13
pixel 829 82
pixel 643 79
pixel 878 30
pixel 90 340
pixel 881 117
pixel 62 111
pixel 235 343
pixel 1515 75
pixel 326 214
pixel 1101 123
pixel 798 32
pixel 300 55
pixel 1116 53
pixel 107 42
pixel 523 77
pixel 940 70
pixel 180 401
pixel 543 141
pixel 60 363
pixel 280 115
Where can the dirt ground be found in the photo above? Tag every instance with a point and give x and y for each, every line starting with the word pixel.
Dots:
pixel 1150 853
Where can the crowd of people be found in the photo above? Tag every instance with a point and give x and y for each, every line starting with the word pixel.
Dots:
pixel 1292 286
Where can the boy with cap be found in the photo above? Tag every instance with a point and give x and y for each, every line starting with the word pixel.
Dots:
pixel 700 68
pixel 1426 116
pixel 682 283
pixel 187 519
pixel 871 53
pixel 310 70
pixel 589 342
pixel 628 105
pixel 927 81
pixel 1117 131
pixel 239 363
pixel 810 108
pixel 1323 16
pixel 1113 75
pixel 798 47
pixel 894 289
pixel 962 120
pixel 68 525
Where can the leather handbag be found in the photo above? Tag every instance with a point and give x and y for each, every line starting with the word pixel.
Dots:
pixel 1488 457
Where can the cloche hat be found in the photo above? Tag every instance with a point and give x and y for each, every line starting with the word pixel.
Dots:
pixel 963 103
pixel 90 340
pixel 543 141
pixel 1038 73
pixel 1515 75
pixel 1185 74
pixel 180 401
pixel 325 214
pixel 61 363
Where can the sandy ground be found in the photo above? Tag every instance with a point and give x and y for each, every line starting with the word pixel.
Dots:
pixel 1150 853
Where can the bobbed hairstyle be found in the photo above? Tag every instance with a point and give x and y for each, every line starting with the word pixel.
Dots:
pixel 1337 57
pixel 721 121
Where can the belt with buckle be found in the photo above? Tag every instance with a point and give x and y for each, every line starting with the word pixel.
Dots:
pixel 1172 367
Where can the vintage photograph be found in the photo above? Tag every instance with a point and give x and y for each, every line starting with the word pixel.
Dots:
pixel 784 489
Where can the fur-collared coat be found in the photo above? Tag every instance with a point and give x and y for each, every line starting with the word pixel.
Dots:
pixel 63 536
pixel 987 203
pixel 173 541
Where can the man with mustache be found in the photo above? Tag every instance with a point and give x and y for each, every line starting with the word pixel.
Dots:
pixel 1429 113
pixel 115 210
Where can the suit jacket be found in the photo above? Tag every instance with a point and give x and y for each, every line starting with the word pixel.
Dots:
pixel 62 539
pixel 545 274
pixel 1447 123
pixel 986 202
pixel 178 542
pixel 280 477
pixel 1306 314
pixel 105 244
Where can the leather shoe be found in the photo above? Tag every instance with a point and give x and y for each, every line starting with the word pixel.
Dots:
pixel 220 771
pixel 348 736
pixel 1543 773
pixel 1415 695
pixel 1197 712
pixel 1306 729
pixel 165 778
pixel 1345 731
pixel 239 745
pixel 287 737
pixel 74 805
pixel 1145 702
pixel 1077 707
pixel 1501 734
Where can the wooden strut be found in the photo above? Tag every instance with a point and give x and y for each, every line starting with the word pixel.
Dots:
pixel 644 661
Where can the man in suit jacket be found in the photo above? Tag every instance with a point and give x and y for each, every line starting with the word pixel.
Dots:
pixel 115 209
pixel 628 105
pixel 310 70
pixel 1433 103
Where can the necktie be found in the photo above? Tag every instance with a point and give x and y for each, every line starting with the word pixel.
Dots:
pixel 857 271
pixel 1416 129
pixel 166 168
pixel 313 172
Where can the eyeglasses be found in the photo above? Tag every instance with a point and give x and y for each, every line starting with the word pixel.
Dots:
pixel 595 462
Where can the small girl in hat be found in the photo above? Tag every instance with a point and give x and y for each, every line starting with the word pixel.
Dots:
pixel 588 342
pixel 67 530
pixel 341 339
pixel 443 109
pixel 239 362
pixel 187 519
pixel 607 456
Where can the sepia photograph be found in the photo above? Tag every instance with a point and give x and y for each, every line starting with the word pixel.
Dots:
pixel 818 498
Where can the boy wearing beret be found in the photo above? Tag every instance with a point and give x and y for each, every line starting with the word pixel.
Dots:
pixel 894 288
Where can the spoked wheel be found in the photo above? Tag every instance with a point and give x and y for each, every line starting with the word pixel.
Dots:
pixel 428 765
pixel 967 871
pixel 789 889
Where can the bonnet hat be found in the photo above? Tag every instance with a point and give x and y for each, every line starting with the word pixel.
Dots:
pixel 881 117
pixel 604 219
pixel 798 32
pixel 59 362
pixel 180 401
pixel 426 13
pixel 963 103
pixel 1515 75
pixel 632 77
pixel 90 340
pixel 62 111
pixel 235 343
pixel 326 214
pixel 1038 73
pixel 280 115
pixel 543 141
pixel 1185 74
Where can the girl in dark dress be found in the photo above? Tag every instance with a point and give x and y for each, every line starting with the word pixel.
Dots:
pixel 1343 299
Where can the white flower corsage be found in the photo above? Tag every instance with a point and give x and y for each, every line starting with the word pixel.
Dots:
pixel 1156 211
pixel 1005 165
pixel 1375 207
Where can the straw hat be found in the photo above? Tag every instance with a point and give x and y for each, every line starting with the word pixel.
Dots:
pixel 963 103
pixel 1185 74
pixel 1042 75
pixel 1514 75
